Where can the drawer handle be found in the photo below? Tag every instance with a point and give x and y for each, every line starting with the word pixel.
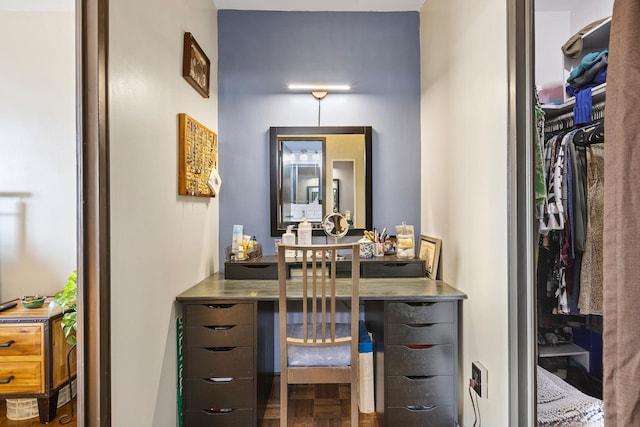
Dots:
pixel 421 407
pixel 396 264
pixel 261 266
pixel 420 304
pixel 221 327
pixel 418 346
pixel 418 377
pixel 218 411
pixel 219 380
pixel 7 380
pixel 7 344
pixel 420 325
pixel 215 306
pixel 220 348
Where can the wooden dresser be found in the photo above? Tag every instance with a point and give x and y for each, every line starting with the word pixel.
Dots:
pixel 33 357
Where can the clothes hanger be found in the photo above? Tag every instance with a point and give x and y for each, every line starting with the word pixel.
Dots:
pixel 590 133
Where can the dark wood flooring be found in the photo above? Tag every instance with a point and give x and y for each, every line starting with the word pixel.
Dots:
pixel 325 405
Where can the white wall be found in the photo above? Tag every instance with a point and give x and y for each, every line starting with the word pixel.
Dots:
pixel 161 243
pixel 37 149
pixel 464 179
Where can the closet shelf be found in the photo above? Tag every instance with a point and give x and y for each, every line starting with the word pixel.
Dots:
pixel 597 94
pixel 578 353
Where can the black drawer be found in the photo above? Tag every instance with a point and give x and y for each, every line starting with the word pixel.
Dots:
pixel 224 362
pixel 251 270
pixel 218 314
pixel 423 333
pixel 202 394
pixel 419 312
pixel 438 416
pixel 420 391
pixel 420 360
pixel 234 418
pixel 393 269
pixel 219 336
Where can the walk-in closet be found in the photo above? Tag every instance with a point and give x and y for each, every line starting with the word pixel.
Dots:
pixel 571 54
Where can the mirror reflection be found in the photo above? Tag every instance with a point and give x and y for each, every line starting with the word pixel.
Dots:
pixel 316 171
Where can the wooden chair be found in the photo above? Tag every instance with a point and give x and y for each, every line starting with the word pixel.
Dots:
pixel 318 331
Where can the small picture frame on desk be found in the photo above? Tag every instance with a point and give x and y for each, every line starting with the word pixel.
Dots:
pixel 196 67
pixel 429 250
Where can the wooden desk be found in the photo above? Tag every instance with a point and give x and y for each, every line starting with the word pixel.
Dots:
pixel 228 349
pixel 33 357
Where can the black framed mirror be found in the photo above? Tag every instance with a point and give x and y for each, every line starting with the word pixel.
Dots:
pixel 318 170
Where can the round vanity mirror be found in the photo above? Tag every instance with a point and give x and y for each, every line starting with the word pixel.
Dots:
pixel 335 225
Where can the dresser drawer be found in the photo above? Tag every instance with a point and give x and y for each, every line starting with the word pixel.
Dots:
pixel 420 391
pixel 27 377
pixel 251 270
pixel 420 360
pixel 233 418
pixel 419 312
pixel 226 362
pixel 393 269
pixel 219 336
pixel 20 340
pixel 425 333
pixel 439 416
pixel 203 394
pixel 218 314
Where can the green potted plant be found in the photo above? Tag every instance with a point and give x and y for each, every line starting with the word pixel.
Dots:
pixel 66 300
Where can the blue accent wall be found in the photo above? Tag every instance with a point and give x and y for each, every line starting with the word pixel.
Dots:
pixel 260 53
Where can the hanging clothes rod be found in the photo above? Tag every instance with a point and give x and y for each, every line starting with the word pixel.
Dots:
pixel 566 121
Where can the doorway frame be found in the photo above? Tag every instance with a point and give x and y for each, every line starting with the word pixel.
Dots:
pixel 92 150
pixel 94 345
pixel 521 131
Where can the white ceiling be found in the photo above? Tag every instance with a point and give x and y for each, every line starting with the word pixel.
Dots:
pixel 323 5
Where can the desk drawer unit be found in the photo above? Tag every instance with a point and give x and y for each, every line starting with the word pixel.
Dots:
pixel 219 384
pixel 420 363
pixel 218 418
pixel 422 416
pixel 408 268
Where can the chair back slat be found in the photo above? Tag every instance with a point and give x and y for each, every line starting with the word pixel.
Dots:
pixel 320 291
pixel 317 288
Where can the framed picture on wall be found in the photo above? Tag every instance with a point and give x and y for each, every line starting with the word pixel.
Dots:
pixel 196 67
pixel 429 250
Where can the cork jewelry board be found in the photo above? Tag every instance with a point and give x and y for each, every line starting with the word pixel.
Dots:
pixel 197 156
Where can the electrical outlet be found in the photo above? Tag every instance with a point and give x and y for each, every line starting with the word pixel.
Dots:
pixel 479 378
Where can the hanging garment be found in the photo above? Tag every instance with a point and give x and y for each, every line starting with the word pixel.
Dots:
pixel 590 301
pixel 561 293
pixel 579 179
pixel 540 177
pixel 554 215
